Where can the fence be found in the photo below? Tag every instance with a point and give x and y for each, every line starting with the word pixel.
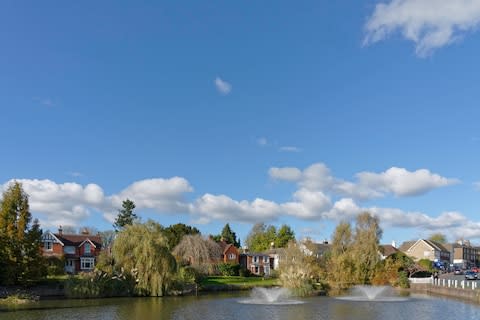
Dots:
pixel 446 283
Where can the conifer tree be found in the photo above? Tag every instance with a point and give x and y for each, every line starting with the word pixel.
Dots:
pixel 125 215
pixel 20 254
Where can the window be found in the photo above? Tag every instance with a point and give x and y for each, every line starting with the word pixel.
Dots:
pixel 87 263
pixel 265 259
pixel 69 250
pixel 87 248
pixel 255 259
pixel 48 245
pixel 232 256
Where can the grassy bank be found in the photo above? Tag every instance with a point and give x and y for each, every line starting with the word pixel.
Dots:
pixel 235 282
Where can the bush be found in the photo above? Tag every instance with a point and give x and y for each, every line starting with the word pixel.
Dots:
pixel 55 266
pixel 99 284
pixel 244 272
pixel 403 281
pixel 228 269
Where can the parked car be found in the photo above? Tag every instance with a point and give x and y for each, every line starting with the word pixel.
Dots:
pixel 458 271
pixel 470 275
pixel 475 269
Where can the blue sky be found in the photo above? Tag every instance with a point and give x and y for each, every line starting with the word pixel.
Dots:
pixel 207 113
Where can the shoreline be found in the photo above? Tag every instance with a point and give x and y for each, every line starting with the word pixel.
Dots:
pixel 454 293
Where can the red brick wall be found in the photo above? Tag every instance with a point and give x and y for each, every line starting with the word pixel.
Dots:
pixel 230 250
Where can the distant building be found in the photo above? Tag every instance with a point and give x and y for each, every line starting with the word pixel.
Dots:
pixel 463 254
pixel 387 250
pixel 80 251
pixel 427 249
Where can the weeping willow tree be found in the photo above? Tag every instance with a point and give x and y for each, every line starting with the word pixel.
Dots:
pixel 198 252
pixel 142 249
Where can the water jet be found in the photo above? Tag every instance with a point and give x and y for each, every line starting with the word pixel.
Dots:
pixel 277 296
pixel 372 293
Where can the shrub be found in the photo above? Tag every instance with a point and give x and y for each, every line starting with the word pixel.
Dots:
pixel 55 266
pixel 228 269
pixel 99 284
pixel 403 281
pixel 244 272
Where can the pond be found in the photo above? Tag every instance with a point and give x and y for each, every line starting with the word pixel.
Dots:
pixel 245 307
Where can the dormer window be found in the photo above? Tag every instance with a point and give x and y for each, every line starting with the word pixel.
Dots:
pixel 87 248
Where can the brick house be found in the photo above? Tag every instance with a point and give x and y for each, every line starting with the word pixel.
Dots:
pixel 230 253
pixel 257 263
pixel 80 251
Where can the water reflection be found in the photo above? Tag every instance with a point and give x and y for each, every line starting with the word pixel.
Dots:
pixel 227 307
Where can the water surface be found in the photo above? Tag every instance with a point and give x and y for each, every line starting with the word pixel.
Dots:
pixel 229 306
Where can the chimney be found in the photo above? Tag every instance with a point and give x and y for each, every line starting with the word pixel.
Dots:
pixel 60 230
pixel 394 244
pixel 85 231
pixel 325 241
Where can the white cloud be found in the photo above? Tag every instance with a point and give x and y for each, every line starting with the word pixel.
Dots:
pixel 71 203
pixel 222 86
pixel 162 195
pixel 62 204
pixel 262 141
pixel 401 182
pixel 430 24
pixel 308 204
pixel 289 149
pixel 319 196
pixel 220 207
pixel 476 185
pixel 75 174
pixel 47 102
pixel 286 174
pixel 369 185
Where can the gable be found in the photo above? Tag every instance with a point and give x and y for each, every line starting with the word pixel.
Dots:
pixel 421 245
pixel 50 237
pixel 231 249
pixel 87 241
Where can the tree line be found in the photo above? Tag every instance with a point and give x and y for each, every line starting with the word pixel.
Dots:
pixel 146 258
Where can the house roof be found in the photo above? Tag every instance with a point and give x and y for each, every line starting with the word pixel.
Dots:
pixel 274 251
pixel 78 239
pixel 251 254
pixel 436 245
pixel 407 245
pixel 388 249
pixel 224 246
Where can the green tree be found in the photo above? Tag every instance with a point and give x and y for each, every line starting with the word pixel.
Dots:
pixel 340 265
pixel 142 250
pixel 438 237
pixel 284 235
pixel 21 257
pixel 366 247
pixel 125 216
pixel 176 232
pixel 262 237
pixel 257 239
pixel 229 236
